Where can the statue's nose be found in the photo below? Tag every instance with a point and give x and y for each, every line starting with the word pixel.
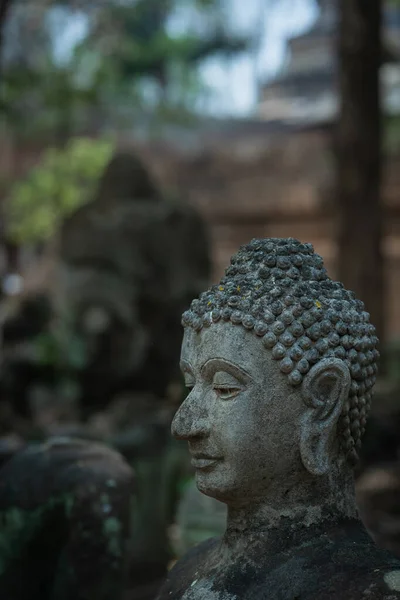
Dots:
pixel 190 420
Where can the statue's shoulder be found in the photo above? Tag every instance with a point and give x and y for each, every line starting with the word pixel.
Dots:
pixel 336 580
pixel 367 570
pixel 380 580
pixel 342 564
pixel 382 584
pixel 184 573
pixel 376 584
pixel 356 573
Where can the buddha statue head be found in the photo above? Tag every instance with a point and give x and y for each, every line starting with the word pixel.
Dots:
pixel 280 362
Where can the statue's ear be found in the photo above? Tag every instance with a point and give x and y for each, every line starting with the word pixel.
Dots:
pixel 325 390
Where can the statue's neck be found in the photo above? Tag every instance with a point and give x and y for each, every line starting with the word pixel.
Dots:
pixel 309 504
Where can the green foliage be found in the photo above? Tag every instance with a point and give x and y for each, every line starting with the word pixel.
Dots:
pixel 63 181
pixel 132 67
pixel 55 94
pixel 143 45
pixel 128 65
pixel 64 352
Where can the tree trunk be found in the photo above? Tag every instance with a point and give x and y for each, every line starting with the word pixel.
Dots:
pixel 360 261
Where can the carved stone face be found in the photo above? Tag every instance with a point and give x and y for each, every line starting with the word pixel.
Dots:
pixel 241 417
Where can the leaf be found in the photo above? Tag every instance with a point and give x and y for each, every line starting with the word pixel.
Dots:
pixel 63 181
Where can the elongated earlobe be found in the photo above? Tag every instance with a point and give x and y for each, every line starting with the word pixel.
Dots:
pixel 325 389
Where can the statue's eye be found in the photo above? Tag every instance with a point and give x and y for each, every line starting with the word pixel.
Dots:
pixel 226 393
pixel 226 385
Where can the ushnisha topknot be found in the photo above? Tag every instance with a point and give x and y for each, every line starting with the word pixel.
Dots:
pixel 279 289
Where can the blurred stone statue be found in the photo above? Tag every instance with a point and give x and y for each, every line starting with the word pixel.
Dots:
pixel 280 362
pixel 131 260
pixel 65 522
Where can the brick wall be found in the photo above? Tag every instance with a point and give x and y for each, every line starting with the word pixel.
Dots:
pixel 282 187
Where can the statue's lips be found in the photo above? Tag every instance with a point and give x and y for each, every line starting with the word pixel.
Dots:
pixel 202 461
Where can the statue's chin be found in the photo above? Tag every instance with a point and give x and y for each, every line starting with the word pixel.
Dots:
pixel 217 489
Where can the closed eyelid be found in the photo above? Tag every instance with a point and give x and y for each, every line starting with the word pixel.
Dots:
pixel 215 365
pixel 227 380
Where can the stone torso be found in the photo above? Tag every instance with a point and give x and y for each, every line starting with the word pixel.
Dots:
pixel 338 561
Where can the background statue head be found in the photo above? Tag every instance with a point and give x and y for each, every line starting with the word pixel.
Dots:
pixel 278 330
pixel 126 177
